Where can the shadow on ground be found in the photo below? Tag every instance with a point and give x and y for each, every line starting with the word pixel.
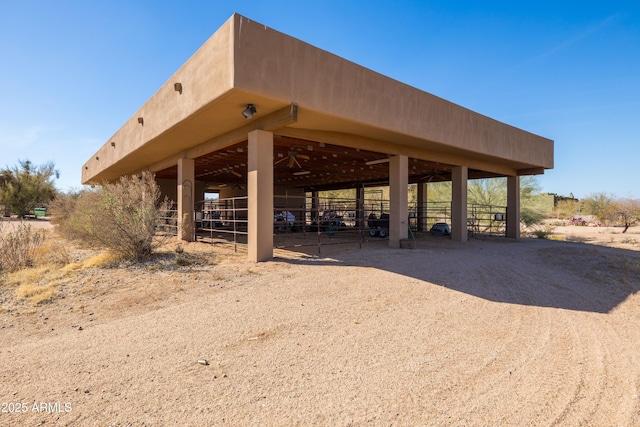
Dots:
pixel 542 273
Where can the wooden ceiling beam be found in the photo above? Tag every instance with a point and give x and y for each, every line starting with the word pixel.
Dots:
pixel 356 141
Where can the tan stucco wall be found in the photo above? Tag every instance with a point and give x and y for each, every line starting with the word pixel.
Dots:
pixel 205 77
pixel 246 62
pixel 359 101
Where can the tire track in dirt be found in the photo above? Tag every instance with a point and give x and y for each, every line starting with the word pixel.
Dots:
pixel 603 389
pixel 543 351
pixel 501 335
pixel 525 333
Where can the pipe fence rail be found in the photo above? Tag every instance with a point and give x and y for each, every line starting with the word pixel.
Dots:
pixel 167 223
pixel 487 220
pixel 315 221
pixel 222 219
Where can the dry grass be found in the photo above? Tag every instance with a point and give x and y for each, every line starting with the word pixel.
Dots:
pixel 472 337
pixel 19 244
pixel 558 238
pixel 50 270
pixel 37 285
pixel 53 251
pixel 102 260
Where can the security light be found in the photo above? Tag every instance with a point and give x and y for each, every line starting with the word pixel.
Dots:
pixel 249 111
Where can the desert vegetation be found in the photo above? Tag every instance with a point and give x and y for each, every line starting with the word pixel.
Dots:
pixel 121 216
pixel 19 245
pixel 612 210
pixel 342 338
pixel 116 222
pixel 26 186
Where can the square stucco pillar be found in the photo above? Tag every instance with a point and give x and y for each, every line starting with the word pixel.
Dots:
pixel 186 181
pixel 260 193
pixel 399 199
pixel 459 177
pixel 513 207
pixel 359 207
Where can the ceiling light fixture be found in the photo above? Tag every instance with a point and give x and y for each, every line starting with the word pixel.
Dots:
pixel 376 162
pixel 249 111
pixel 302 173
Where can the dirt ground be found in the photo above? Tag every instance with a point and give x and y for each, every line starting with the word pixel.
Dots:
pixel 485 333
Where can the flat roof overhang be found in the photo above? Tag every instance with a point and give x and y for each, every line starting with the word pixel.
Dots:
pixel 312 165
pixel 308 98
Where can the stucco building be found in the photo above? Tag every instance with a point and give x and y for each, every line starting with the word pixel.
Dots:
pixel 252 97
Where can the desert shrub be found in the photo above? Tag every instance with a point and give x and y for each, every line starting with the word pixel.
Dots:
pixel 18 246
pixel 566 209
pixel 542 232
pixel 121 216
pixel 530 217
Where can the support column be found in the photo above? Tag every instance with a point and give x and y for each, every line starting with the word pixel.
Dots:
pixel 459 177
pixel 314 205
pixel 421 212
pixel 260 193
pixel 399 199
pixel 186 182
pixel 513 207
pixel 359 207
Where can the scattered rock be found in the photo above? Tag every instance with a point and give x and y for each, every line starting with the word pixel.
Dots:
pixel 203 362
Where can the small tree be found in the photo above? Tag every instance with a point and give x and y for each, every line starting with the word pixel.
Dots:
pixel 493 192
pixel 120 216
pixel 487 192
pixel 627 211
pixel 24 187
pixel 600 205
pixel 567 208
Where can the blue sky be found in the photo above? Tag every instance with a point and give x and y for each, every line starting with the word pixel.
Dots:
pixel 72 72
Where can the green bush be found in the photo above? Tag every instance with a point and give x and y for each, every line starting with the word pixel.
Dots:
pixel 542 233
pixel 531 217
pixel 24 187
pixel 18 246
pixel 121 216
